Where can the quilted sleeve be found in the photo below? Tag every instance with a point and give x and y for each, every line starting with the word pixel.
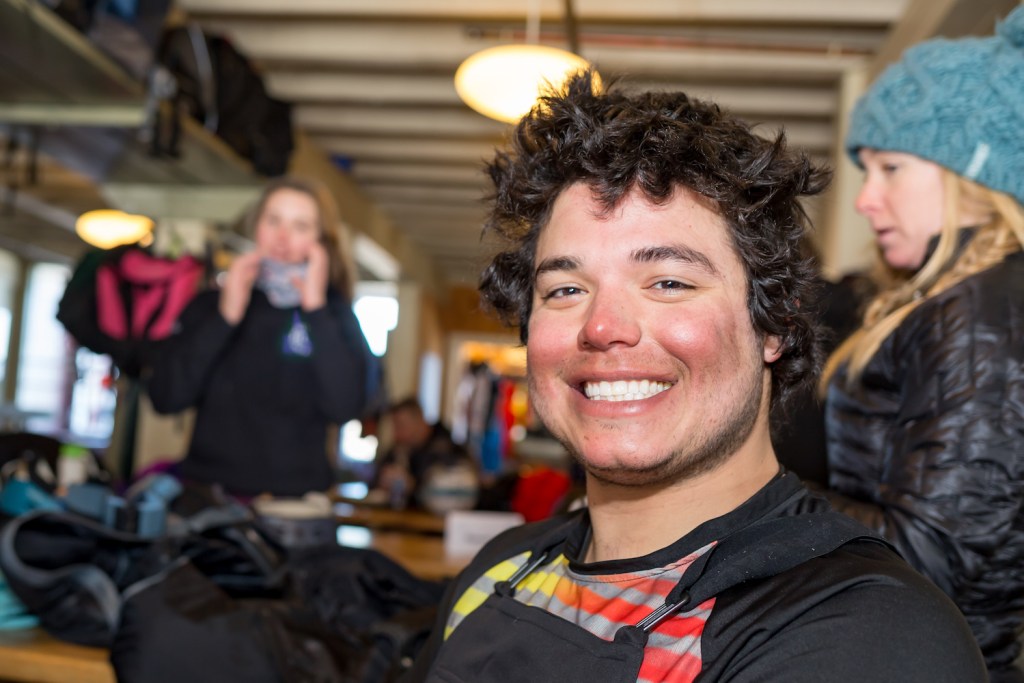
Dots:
pixel 951 477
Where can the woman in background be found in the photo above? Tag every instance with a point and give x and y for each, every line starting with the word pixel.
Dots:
pixel 274 356
pixel 925 402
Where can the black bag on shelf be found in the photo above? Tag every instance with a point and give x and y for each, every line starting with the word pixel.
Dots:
pixel 217 85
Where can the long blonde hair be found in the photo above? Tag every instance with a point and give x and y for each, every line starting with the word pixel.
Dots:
pixel 1000 236
pixel 332 234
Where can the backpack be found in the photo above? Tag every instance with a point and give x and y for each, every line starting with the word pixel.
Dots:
pixel 124 301
pixel 348 616
pixel 216 84
pixel 212 584
pixel 73 560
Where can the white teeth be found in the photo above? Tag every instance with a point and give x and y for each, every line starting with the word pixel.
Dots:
pixel 623 390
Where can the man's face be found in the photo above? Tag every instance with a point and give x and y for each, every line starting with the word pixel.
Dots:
pixel 409 429
pixel 642 358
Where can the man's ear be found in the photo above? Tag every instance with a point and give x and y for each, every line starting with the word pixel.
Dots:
pixel 772 348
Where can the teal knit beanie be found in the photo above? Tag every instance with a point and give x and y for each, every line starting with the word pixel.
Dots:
pixel 958 103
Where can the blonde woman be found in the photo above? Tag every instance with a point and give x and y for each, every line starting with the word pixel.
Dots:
pixel 925 402
pixel 274 356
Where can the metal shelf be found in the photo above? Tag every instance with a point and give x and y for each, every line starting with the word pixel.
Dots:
pixel 90 111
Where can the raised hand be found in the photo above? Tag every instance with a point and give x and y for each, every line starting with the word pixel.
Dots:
pixel 237 289
pixel 313 287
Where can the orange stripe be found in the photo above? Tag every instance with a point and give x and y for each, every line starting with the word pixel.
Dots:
pixel 614 609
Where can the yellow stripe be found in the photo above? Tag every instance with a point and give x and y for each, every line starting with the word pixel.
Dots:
pixel 544 582
pixel 474 597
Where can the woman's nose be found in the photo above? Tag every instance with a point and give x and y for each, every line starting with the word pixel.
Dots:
pixel 610 320
pixel 867 200
pixel 282 238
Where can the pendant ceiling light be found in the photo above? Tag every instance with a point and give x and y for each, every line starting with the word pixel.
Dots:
pixel 108 228
pixel 504 82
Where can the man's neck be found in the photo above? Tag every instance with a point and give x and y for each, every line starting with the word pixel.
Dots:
pixel 632 522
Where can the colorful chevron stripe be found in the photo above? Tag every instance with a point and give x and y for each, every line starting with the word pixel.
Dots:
pixel 602 604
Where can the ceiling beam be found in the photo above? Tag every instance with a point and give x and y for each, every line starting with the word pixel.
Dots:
pixel 222 204
pixel 65 114
pixel 442 151
pixel 417 211
pixel 346 89
pixel 462 232
pixel 371 173
pixel 754 11
pixel 811 135
pixel 406 89
pixel 427 194
pixel 443 46
pixel 383 120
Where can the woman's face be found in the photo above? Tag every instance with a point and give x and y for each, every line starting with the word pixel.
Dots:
pixel 902 198
pixel 288 226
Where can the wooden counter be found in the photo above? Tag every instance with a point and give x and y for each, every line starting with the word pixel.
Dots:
pixel 33 656
pixel 423 555
pixel 386 519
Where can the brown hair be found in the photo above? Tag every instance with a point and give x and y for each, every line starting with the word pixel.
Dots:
pixel 655 142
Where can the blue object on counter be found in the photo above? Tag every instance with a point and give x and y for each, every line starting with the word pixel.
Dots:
pixel 13 615
pixel 19 496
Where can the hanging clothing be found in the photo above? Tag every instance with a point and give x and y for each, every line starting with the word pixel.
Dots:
pixel 779 589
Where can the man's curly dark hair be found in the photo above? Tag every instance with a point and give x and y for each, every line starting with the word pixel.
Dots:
pixel 656 142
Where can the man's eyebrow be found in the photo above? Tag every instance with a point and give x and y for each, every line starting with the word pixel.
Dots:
pixel 674 252
pixel 556 264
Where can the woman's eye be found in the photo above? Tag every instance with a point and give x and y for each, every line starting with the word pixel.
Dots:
pixel 889 168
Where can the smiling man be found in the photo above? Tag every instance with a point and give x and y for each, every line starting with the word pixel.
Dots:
pixel 653 267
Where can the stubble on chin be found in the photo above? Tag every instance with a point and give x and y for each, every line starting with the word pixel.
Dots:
pixel 702 454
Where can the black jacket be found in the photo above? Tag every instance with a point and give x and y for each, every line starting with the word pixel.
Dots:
pixel 262 412
pixel 928 449
pixel 854 614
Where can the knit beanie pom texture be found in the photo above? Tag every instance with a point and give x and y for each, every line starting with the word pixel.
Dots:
pixel 958 103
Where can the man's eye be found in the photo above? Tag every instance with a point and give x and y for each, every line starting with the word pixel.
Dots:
pixel 671 285
pixel 561 293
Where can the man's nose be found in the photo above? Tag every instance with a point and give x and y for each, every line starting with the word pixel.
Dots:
pixel 610 320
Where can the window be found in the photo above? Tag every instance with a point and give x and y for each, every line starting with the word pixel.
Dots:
pixel 10 269
pixel 93 398
pixel 376 307
pixel 43 382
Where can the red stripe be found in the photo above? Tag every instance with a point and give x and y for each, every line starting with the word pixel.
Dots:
pixel 669 667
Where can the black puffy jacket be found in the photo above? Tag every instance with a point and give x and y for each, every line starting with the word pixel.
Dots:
pixel 928 449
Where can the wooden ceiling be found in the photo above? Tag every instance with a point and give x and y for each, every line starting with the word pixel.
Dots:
pixel 371 80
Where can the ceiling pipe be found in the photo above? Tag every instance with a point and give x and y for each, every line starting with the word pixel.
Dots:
pixel 636 40
pixel 572 35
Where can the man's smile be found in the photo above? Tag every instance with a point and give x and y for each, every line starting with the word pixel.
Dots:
pixel 624 390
